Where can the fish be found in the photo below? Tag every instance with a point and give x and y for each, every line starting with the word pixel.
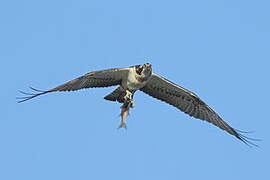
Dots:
pixel 124 113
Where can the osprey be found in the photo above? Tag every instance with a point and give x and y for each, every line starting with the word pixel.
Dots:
pixel 141 77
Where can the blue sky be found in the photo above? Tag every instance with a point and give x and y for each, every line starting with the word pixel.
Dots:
pixel 218 49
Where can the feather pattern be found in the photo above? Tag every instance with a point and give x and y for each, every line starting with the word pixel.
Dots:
pixel 104 78
pixel 188 102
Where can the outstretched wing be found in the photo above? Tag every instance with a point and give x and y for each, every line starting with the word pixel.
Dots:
pixel 188 102
pixel 104 78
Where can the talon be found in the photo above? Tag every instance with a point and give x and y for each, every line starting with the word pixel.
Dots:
pixel 132 104
pixel 128 96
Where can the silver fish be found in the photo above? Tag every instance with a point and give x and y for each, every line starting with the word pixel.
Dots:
pixel 124 113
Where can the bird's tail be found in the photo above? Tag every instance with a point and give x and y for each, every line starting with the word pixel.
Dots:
pixel 117 95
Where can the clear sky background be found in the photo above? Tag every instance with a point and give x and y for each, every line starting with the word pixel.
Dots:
pixel 218 49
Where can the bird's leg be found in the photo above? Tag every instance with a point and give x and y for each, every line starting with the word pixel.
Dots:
pixel 129 98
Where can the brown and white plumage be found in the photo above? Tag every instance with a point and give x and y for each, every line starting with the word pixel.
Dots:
pixel 104 78
pixel 186 101
pixel 141 77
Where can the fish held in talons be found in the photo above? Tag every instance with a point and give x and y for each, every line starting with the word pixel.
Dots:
pixel 125 112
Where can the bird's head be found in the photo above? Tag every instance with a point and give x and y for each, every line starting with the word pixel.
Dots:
pixel 144 70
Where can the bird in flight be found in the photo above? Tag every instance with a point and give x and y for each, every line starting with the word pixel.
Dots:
pixel 141 77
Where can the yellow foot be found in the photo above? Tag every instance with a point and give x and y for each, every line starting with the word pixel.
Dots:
pixel 132 104
pixel 128 95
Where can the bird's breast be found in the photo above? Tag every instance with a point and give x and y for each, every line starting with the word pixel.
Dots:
pixel 134 81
